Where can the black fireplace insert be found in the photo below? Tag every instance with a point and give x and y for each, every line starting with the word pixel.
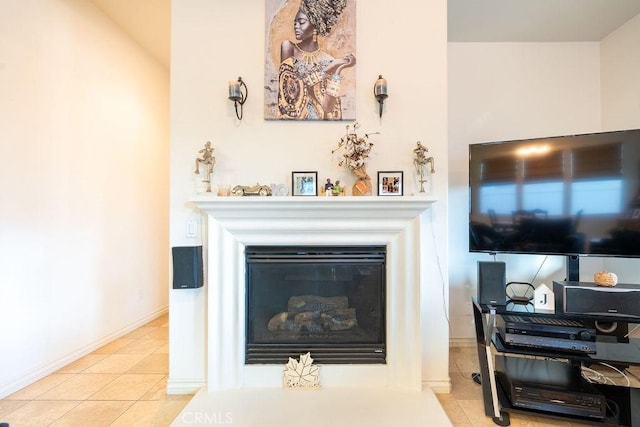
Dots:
pixel 326 300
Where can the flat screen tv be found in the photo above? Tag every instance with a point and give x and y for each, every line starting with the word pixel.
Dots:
pixel 576 195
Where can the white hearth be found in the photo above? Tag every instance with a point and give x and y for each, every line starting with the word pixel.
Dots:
pixel 234 222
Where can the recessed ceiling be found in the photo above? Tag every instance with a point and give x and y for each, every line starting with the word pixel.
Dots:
pixel 537 20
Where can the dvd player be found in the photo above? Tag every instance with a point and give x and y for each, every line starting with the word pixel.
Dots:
pixel 547 333
pixel 550 386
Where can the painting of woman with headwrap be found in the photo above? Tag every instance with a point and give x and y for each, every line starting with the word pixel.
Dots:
pixel 310 60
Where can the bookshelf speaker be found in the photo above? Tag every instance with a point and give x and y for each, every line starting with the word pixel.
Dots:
pixel 188 271
pixel 492 283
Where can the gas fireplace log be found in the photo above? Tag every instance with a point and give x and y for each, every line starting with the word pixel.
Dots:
pixel 339 320
pixel 281 322
pixel 295 322
pixel 314 321
pixel 302 303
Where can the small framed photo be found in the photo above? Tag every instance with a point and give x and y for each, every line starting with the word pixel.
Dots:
pixel 304 183
pixel 390 183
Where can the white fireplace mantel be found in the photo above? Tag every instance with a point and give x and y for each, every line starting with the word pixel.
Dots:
pixel 234 222
pixel 320 207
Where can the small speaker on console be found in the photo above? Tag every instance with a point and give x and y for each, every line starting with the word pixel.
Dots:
pixel 492 283
pixel 622 300
pixel 188 271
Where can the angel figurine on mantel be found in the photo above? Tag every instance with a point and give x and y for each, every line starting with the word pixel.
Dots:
pixel 209 161
pixel 421 161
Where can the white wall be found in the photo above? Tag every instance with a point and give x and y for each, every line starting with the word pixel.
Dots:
pixel 83 186
pixel 501 91
pixel 214 42
pixel 620 68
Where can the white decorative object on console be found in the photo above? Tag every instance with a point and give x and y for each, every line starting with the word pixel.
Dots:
pixel 543 299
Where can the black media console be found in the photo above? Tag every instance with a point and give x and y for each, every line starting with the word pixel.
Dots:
pixel 551 385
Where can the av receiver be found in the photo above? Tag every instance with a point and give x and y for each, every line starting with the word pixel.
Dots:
pixel 590 299
pixel 548 333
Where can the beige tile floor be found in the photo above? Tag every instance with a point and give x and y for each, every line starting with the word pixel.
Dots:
pixel 464 404
pixel 121 384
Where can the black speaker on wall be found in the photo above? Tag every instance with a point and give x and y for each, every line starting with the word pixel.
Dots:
pixel 188 271
pixel 492 282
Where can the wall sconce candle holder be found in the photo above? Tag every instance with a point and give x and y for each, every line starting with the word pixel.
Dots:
pixel 380 91
pixel 238 94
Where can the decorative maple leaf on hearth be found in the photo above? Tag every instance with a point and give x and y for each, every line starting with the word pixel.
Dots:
pixel 302 374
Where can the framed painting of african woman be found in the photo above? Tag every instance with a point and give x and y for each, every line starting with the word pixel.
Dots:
pixel 310 60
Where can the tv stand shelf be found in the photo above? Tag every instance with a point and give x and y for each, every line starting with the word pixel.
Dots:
pixel 507 409
pixel 496 401
pixel 610 352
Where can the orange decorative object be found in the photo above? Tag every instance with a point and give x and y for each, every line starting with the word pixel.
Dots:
pixel 604 278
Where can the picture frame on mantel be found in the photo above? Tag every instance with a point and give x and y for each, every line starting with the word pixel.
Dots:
pixel 390 183
pixel 304 183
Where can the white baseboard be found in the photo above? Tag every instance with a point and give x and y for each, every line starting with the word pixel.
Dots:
pixel 462 342
pixel 53 366
pixel 438 386
pixel 182 386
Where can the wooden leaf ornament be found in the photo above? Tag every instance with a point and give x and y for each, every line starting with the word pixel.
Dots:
pixel 302 373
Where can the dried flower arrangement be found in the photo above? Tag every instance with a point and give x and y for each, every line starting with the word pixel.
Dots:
pixel 356 150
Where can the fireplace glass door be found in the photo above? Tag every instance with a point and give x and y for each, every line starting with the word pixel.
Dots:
pixel 329 301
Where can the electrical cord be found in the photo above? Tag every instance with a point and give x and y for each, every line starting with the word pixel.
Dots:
pixel 599 377
pixel 632 330
pixel 435 249
pixel 595 377
pixel 632 374
pixel 613 408
pixel 628 382
pixel 539 268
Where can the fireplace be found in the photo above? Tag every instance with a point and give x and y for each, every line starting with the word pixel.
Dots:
pixel 396 223
pixel 325 300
